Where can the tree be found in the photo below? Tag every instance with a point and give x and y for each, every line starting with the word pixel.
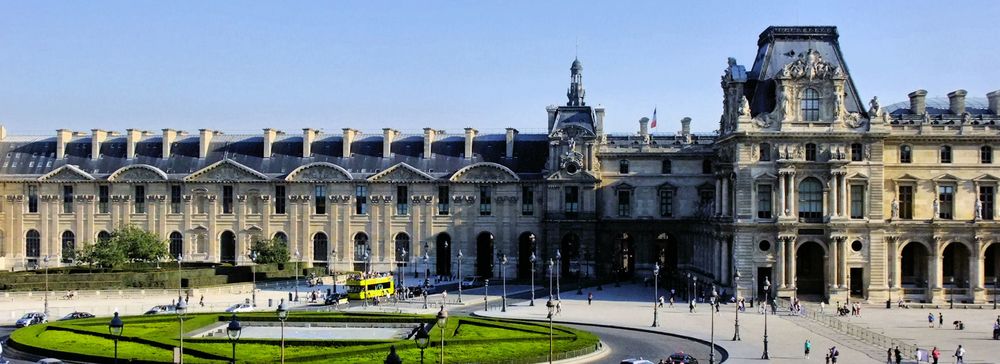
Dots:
pixel 270 251
pixel 128 244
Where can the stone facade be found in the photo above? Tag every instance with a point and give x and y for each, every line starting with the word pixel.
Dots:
pixel 803 184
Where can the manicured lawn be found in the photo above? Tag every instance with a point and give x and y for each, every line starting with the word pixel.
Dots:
pixel 151 338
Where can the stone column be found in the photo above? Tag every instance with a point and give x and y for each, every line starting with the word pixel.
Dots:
pixel 792 203
pixel 718 196
pixel 832 258
pixel 779 260
pixel 842 248
pixel 834 198
pixel 791 261
pixel 725 195
pixel 934 274
pixel 782 205
pixel 976 270
pixel 844 193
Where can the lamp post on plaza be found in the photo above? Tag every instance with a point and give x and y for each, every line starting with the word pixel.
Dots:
pixel 551 263
pixel 46 298
pixel 253 274
pixel 736 283
pixel 551 308
pixel 767 300
pixel 181 309
pixel 486 294
pixel 532 260
pixel 115 329
pixel 233 332
pixel 442 321
pixel 422 339
pixel 180 281
pixel 558 268
pixel 888 304
pixel 579 276
pixel 503 275
pixel 297 258
pixel 460 276
pixel 996 287
pixel 656 294
pixel 951 301
pixel 753 292
pixel 399 267
pixel 711 347
pixel 282 316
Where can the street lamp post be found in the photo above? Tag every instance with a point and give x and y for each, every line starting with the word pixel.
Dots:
pixel 427 285
pixel 399 268
pixel 656 294
pixel 297 258
pixel 550 307
pixel 532 260
pixel 503 275
pixel 422 339
pixel 46 299
pixel 558 268
pixel 460 276
pixel 688 284
pixel 181 309
pixel 736 283
pixel 115 329
pixel 233 331
pixel 951 301
pixel 767 301
pixel 551 263
pixel 253 274
pixel 711 347
pixel 442 321
pixel 888 305
pixel 282 316
pixel 996 287
pixel 367 257
pixel 180 281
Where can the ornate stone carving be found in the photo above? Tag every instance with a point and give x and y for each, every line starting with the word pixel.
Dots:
pixel 744 109
pixel 979 208
pixel 853 120
pixel 400 173
pixel 754 151
pixel 226 171
pixel 868 152
pixel 66 174
pixel 485 172
pixel 134 173
pixel 810 65
pixel 318 172
pixel 894 205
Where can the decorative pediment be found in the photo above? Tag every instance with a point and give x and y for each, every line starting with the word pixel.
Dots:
pixel 67 173
pixel 484 172
pixel 623 186
pixel 199 228
pixel 907 177
pixel 319 171
pixel 666 186
pixel 810 65
pixel 138 172
pixel 765 176
pixel 945 178
pixel 857 176
pixel 986 178
pixel 226 170
pixel 580 177
pixel 401 172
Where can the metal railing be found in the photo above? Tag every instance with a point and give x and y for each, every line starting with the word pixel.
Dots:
pixel 555 357
pixel 862 334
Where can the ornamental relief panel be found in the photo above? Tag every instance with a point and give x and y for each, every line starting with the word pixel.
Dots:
pixel 226 172
pixel 138 174
pixel 319 173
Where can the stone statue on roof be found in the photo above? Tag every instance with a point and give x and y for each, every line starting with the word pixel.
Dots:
pixel 744 109
pixel 874 109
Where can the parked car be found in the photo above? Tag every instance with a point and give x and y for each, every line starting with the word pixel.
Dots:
pixel 636 361
pixel 50 361
pixel 77 315
pixel 161 310
pixel 472 282
pixel 31 318
pixel 240 307
pixel 681 358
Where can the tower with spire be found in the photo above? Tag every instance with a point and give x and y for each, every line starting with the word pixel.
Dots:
pixel 576 92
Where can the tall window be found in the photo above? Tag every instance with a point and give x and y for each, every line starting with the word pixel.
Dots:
pixel 666 203
pixel 402 201
pixel 765 152
pixel 361 201
pixel 485 200
pixel 227 199
pixel 140 199
pixel 527 201
pixel 666 167
pixel 906 202
pixel 946 202
pixel 402 245
pixel 320 247
pixel 320 200
pixel 68 246
pixel 279 200
pixel 706 166
pixel 67 199
pixel 857 201
pixel 811 152
pixel 810 199
pixel 360 246
pixel 945 154
pixel 624 203
pixel 905 154
pixel 986 154
pixel 623 166
pixel 443 200
pixel 986 197
pixel 176 244
pixel 857 152
pixel 571 201
pixel 764 202
pixel 32 198
pixel 175 199
pixel 33 244
pixel 103 196
pixel 810 105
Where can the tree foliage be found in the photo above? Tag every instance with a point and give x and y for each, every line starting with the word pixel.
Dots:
pixel 128 244
pixel 270 251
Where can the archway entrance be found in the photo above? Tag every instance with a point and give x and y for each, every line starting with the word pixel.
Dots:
pixel 913 265
pixel 570 249
pixel 484 255
pixel 320 244
pixel 665 252
pixel 809 269
pixel 624 256
pixel 955 266
pixel 227 249
pixel 991 259
pixel 443 254
pixel 525 246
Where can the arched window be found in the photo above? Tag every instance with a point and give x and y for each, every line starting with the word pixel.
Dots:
pixel 402 245
pixel 68 246
pixel 281 236
pixel 33 244
pixel 666 167
pixel 103 236
pixel 765 152
pixel 810 105
pixel 360 246
pixel 986 154
pixel 176 244
pixel 945 154
pixel 811 152
pixel 905 154
pixel 320 247
pixel 810 199
pixel 623 166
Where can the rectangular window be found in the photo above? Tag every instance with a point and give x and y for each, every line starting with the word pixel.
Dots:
pixel 140 199
pixel 857 152
pixel 667 203
pixel 360 200
pixel 986 197
pixel 402 201
pixel 175 199
pixel 32 198
pixel 623 166
pixel 67 199
pixel 986 155
pixel 227 199
pixel 764 202
pixel 319 202
pixel 906 202
pixel 624 203
pixel 571 201
pixel 527 201
pixel 765 152
pixel 279 200
pixel 946 202
pixel 103 196
pixel 444 200
pixel 666 167
pixel 485 201
pixel 857 201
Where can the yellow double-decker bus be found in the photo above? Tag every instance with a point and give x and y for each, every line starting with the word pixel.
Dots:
pixel 359 289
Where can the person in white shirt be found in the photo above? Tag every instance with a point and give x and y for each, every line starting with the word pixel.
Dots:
pixel 960 355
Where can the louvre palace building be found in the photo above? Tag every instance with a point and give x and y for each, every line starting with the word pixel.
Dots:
pixel 804 184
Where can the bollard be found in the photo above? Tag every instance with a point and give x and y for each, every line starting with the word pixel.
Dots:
pixel 270 302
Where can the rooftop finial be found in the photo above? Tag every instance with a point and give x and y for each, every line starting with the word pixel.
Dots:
pixel 576 92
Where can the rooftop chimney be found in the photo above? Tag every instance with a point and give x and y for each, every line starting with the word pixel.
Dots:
pixel 918 104
pixel 97 137
pixel 551 110
pixel 3 132
pixel 511 133
pixel 644 127
pixel 349 135
pixel 269 136
pixel 686 126
pixel 956 102
pixel 429 135
pixel 470 135
pixel 388 136
pixel 132 136
pixel 62 138
pixel 308 137
pixel 599 123
pixel 169 135
pixel 994 102
pixel 204 142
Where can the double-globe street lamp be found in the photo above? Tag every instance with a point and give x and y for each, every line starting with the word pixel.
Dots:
pixel 532 260
pixel 422 339
pixel 442 321
pixel 460 276
pixel 282 316
pixel 503 276
pixel 711 346
pixel 233 332
pixel 115 328
pixel 297 258
pixel 736 284
pixel 656 294
pixel 558 269
pixel 767 304
pixel 181 309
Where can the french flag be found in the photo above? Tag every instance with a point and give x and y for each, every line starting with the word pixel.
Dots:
pixel 653 124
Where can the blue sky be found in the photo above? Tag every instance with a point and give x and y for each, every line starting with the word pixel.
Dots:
pixel 245 65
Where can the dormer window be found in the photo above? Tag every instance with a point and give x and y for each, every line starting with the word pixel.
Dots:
pixel 811 152
pixel 810 105
pixel 945 154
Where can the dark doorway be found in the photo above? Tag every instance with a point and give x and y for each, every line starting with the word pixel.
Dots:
pixel 763 273
pixel 991 262
pixel 570 250
pixel 443 246
pixel 809 269
pixel 525 247
pixel 955 265
pixel 484 255
pixel 913 265
pixel 320 244
pixel 228 247
pixel 624 255
pixel 857 282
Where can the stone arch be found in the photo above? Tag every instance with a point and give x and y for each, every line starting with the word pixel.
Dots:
pixel 485 244
pixel 526 244
pixel 402 244
pixel 955 264
pixel 138 172
pixel 443 245
pixel 361 248
pixel 319 171
pixel 484 172
pixel 281 236
pixel 321 247
pixel 913 267
pixel 68 246
pixel 176 244
pixel 810 268
pixel 227 247
pixel 991 263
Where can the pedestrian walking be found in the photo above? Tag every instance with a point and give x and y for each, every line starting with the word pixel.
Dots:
pixel 691 306
pixel 671 300
pixel 935 355
pixel 930 320
pixel 940 320
pixel 289 296
pixel 661 301
pixel 590 298
pixel 808 347
pixel 822 307
pixel 960 355
pixel 888 356
pixel 558 307
pixel 898 354
pixel 201 302
pixel 827 358
pixel 834 354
